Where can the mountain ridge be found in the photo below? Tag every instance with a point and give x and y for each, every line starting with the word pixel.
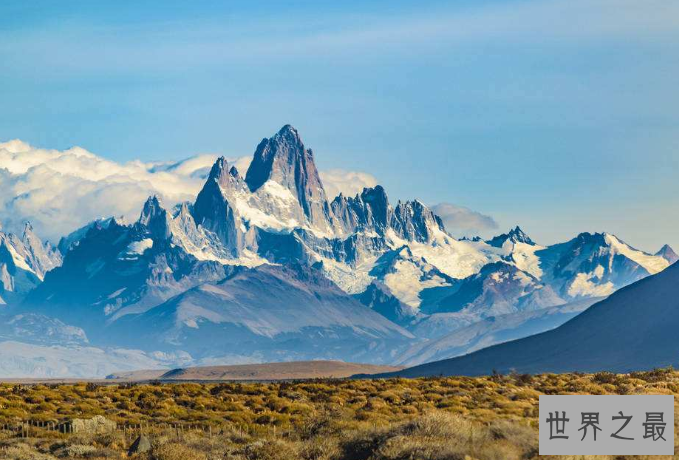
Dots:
pixel 387 277
pixel 633 329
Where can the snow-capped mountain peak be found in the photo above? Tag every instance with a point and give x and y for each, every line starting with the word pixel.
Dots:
pixel 215 207
pixel 43 257
pixel 667 253
pixel 155 218
pixel 413 221
pixel 285 160
pixel 653 264
pixel 23 263
pixel 219 172
pixel 595 264
pixel 227 178
pixel 516 235
pixel 499 288
pixel 368 211
pixel 152 210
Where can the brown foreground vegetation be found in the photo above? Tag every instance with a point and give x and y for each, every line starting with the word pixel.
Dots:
pixel 485 418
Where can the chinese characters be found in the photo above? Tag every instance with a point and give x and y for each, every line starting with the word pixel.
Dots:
pixel 654 425
pixel 606 424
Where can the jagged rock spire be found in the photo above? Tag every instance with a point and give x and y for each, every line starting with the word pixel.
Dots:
pixel 152 209
pixel 28 252
pixel 225 177
pixel 28 236
pixel 413 221
pixel 519 236
pixel 515 235
pixel 218 172
pixel 214 210
pixel 368 210
pixel 44 254
pixel 155 218
pixel 377 204
pixel 284 159
pixel 281 158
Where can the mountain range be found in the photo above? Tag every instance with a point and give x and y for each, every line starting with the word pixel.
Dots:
pixel 633 329
pixel 264 266
pixel 24 261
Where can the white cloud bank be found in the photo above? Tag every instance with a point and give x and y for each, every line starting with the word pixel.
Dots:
pixel 462 221
pixel 349 183
pixel 60 191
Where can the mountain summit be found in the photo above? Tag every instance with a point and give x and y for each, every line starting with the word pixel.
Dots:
pixel 23 263
pixel 285 160
pixel 667 253
pixel 516 235
pixel 215 207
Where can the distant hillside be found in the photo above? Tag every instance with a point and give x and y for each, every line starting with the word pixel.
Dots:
pixel 633 329
pixel 270 371
pixel 491 331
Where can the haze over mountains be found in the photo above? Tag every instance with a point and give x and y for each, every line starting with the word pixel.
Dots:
pixel 262 266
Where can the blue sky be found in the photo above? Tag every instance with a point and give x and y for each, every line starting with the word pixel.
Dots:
pixel 559 115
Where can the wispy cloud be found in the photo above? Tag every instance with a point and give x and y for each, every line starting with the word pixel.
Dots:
pixel 462 221
pixel 206 43
pixel 349 183
pixel 58 191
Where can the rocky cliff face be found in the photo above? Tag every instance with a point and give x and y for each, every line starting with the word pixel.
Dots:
pixel 155 219
pixel 367 212
pixel 24 261
pixel 370 211
pixel 41 257
pixel 285 160
pixel 413 221
pixel 215 207
pixel 516 235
